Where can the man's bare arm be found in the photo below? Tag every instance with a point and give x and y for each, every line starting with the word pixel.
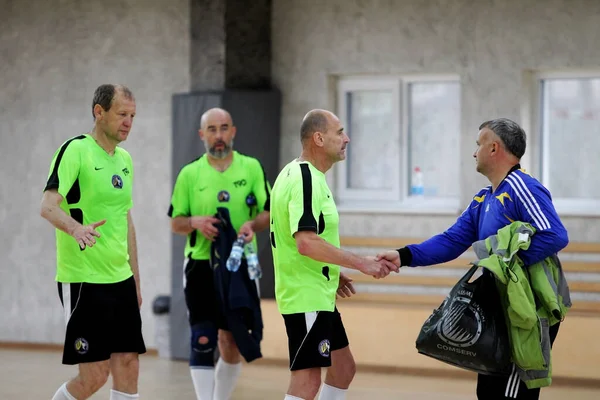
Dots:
pixel 249 228
pixel 51 211
pixel 182 225
pixel 261 222
pixel 309 244
pixel 186 225
pixel 133 255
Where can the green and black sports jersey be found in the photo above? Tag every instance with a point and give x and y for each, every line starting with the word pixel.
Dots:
pixel 301 201
pixel 199 189
pixel 94 186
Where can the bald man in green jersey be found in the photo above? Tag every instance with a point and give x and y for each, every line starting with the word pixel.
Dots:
pixel 305 242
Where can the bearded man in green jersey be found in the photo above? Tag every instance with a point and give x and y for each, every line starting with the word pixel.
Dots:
pixel 88 199
pixel 222 177
pixel 305 241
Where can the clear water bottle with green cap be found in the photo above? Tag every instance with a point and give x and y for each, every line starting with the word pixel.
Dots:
pixel 254 270
pixel 235 257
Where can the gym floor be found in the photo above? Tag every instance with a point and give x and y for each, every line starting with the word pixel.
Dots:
pixel 36 374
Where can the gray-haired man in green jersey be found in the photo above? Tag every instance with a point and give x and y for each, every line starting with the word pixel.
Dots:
pixel 88 198
pixel 307 257
pixel 220 178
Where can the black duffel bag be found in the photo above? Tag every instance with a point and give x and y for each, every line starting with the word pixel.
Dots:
pixel 468 329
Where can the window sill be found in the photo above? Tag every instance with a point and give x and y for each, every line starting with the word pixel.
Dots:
pixel 416 206
pixel 574 208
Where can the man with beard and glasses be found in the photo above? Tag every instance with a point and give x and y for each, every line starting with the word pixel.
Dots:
pixel 220 178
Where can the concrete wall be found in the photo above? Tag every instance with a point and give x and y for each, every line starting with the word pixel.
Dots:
pixel 490 45
pixel 54 54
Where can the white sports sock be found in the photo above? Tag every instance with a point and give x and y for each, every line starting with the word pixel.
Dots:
pixel 332 393
pixel 290 397
pixel 63 394
pixel 204 382
pixel 116 395
pixel 226 375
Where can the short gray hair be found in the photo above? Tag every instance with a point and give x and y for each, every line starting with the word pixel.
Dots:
pixel 510 133
pixel 105 96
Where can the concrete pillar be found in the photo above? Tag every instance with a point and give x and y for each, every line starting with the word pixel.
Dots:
pixel 230 44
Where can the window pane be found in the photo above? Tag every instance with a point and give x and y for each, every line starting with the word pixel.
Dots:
pixel 374 142
pixel 434 133
pixel 571 137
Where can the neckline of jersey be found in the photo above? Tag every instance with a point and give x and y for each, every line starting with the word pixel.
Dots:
pixel 97 146
pixel 513 169
pixel 233 161
pixel 310 165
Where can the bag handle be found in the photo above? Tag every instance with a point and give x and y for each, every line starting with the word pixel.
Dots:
pixel 469 274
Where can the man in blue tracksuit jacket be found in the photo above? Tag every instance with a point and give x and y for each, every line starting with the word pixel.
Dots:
pixel 512 196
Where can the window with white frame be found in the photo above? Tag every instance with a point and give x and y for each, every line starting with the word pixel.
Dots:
pixel 570 137
pixel 404 141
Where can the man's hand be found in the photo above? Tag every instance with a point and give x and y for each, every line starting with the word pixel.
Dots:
pixel 206 226
pixel 391 255
pixel 247 230
pixel 84 234
pixel 377 268
pixel 345 287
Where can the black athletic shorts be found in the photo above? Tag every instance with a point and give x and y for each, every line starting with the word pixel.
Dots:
pixel 200 294
pixel 101 319
pixel 312 337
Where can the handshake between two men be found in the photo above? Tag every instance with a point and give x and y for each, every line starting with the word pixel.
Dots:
pixel 378 267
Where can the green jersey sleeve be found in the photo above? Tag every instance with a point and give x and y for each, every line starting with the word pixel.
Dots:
pixel 64 168
pixel 304 204
pixel 180 200
pixel 261 188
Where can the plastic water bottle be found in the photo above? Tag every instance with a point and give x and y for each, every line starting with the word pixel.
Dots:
pixel 235 257
pixel 254 270
pixel 417 188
